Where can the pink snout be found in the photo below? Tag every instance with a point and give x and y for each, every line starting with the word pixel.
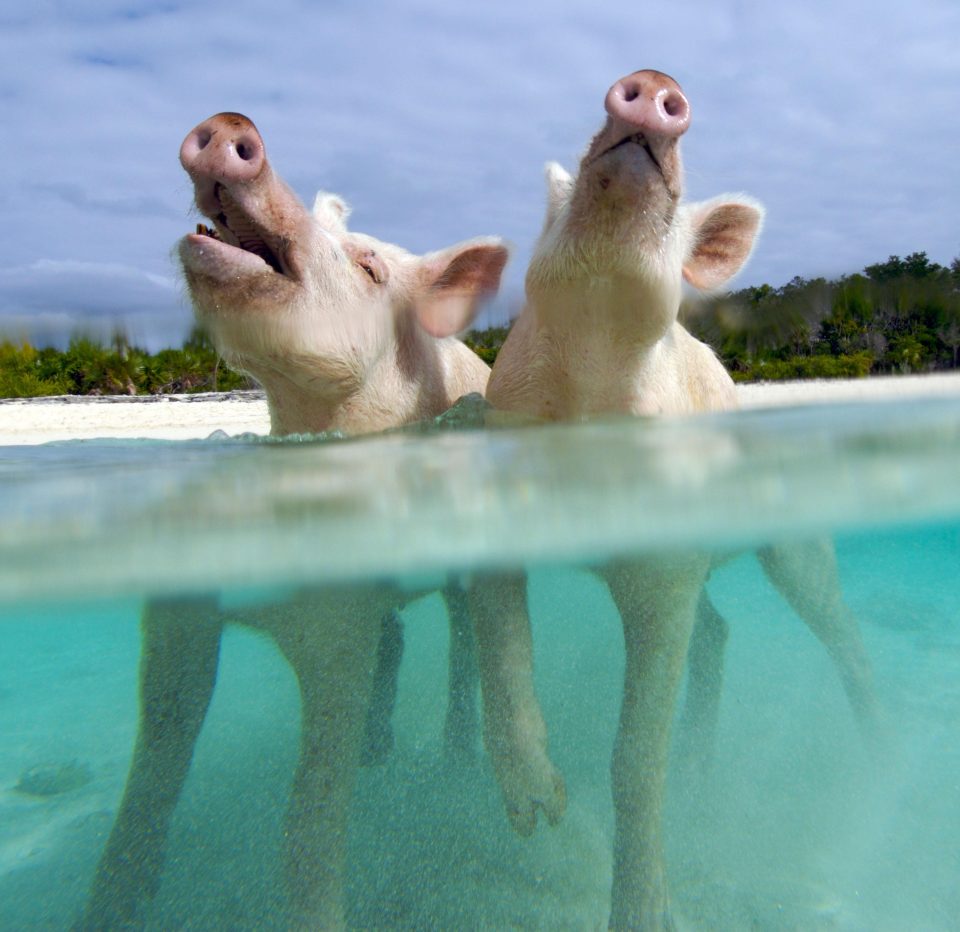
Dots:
pixel 649 102
pixel 226 148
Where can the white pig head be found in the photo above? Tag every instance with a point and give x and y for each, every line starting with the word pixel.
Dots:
pixel 618 241
pixel 326 304
pixel 297 300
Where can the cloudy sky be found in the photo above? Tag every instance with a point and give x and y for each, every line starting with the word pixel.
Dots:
pixel 434 118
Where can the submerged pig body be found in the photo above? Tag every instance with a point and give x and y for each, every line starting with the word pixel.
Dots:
pixel 342 330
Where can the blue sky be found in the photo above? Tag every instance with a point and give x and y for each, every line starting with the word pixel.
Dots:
pixel 434 118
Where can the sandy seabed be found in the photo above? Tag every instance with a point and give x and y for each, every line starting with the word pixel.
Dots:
pixel 185 417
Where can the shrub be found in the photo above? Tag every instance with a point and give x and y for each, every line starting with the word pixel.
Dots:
pixel 88 368
pixel 22 374
pixel 853 366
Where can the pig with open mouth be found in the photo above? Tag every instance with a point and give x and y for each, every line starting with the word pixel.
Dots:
pixel 347 333
pixel 342 330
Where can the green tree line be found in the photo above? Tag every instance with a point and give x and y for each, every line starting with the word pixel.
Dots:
pixel 902 315
pixel 87 367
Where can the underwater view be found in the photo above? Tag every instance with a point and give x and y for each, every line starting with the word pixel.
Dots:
pixel 788 814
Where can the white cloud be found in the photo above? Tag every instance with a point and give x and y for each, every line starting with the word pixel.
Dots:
pixel 49 300
pixel 434 119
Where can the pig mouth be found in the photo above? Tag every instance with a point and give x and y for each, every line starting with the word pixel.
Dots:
pixel 236 229
pixel 636 139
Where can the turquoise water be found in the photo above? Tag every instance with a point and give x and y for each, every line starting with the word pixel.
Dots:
pixel 797 825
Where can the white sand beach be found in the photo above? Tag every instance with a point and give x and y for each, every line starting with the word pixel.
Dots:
pixel 183 417
pixel 160 417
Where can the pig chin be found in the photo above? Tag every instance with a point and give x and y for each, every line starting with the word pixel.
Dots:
pixel 218 289
pixel 627 178
pixel 619 220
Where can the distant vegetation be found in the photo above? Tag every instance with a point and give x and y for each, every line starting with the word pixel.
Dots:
pixel 486 343
pixel 902 315
pixel 87 367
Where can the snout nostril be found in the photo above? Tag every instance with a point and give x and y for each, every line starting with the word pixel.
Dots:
pixel 203 139
pixel 631 92
pixel 248 148
pixel 674 105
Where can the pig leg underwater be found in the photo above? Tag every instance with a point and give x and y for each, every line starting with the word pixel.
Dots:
pixel 178 670
pixel 334 663
pixel 462 724
pixel 657 601
pixel 515 735
pixel 697 729
pixel 805 574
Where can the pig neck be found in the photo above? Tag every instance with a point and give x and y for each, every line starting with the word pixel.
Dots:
pixel 417 377
pixel 297 408
pixel 595 348
pixel 429 374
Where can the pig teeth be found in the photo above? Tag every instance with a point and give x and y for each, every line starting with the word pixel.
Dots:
pixel 240 228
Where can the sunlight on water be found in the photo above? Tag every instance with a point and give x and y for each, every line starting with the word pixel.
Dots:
pixel 798 823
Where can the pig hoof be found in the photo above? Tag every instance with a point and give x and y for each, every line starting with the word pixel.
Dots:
pixel 531 785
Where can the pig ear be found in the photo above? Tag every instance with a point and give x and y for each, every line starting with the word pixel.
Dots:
pixel 453 282
pixel 559 186
pixel 331 211
pixel 724 230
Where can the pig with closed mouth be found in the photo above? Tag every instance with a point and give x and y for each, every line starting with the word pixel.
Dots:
pixel 346 333
pixel 599 335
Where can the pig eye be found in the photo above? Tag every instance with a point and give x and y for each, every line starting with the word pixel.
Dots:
pixel 372 264
pixel 375 269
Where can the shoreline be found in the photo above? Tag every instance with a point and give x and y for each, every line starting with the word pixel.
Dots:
pixel 29 421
